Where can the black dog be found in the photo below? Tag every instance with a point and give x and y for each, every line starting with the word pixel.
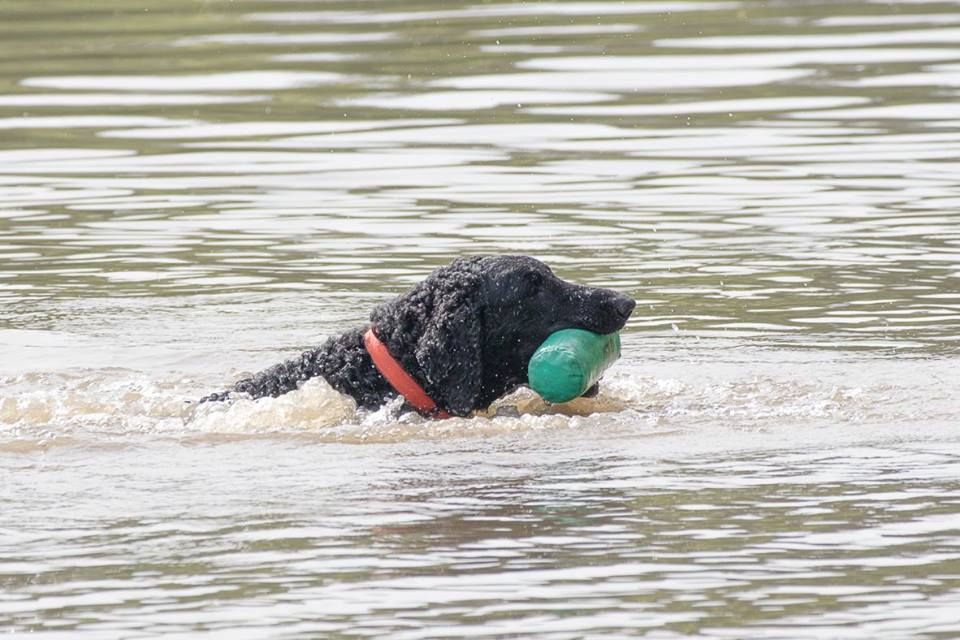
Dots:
pixel 465 335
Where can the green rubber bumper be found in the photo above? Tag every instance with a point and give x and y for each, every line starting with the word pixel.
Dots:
pixel 569 362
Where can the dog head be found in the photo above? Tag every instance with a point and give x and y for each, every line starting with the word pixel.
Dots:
pixel 469 330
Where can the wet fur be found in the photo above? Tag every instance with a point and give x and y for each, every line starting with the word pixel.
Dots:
pixel 466 334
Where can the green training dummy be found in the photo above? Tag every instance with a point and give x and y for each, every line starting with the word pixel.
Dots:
pixel 569 362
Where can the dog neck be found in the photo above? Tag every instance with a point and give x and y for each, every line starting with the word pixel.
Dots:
pixel 401 381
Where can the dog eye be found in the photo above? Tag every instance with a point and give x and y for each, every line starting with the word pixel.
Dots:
pixel 535 279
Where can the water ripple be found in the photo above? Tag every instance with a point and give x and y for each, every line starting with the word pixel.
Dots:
pixel 197 191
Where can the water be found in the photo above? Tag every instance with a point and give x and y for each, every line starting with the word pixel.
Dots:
pixel 192 190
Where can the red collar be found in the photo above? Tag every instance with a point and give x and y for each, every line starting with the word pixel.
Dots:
pixel 400 380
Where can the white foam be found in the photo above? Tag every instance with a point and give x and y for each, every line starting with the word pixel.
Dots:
pixel 315 405
pixel 116 403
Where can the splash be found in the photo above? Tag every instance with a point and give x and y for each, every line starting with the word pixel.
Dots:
pixel 313 406
pixel 115 404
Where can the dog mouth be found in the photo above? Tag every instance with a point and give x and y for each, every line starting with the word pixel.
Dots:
pixel 610 317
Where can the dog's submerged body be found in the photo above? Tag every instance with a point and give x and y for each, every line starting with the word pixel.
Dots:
pixel 465 334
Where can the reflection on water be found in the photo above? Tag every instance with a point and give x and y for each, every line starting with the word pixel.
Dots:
pixel 193 190
pixel 540 536
pixel 802 181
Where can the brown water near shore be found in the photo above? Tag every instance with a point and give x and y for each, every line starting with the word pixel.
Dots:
pixel 194 190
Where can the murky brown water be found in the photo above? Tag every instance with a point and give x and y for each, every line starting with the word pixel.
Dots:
pixel 192 190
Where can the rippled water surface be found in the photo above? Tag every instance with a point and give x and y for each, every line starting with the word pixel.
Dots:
pixel 193 190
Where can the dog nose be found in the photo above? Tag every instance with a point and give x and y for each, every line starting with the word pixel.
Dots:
pixel 624 306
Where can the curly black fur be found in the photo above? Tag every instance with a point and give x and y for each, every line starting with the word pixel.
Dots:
pixel 466 334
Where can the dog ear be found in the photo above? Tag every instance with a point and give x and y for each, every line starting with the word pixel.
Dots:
pixel 449 356
pixel 449 349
